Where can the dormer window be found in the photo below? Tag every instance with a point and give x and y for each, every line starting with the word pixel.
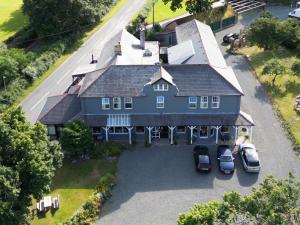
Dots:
pixel 117 103
pixel 160 87
pixel 193 102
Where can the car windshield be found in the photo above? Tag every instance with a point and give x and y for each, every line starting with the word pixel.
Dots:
pixel 203 159
pixel 226 158
pixel 254 163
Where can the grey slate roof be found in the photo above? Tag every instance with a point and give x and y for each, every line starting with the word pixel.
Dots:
pixel 191 80
pixel 176 120
pixel 62 111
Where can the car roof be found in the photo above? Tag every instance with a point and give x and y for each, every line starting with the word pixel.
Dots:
pixel 227 152
pixel 247 145
pixel 251 155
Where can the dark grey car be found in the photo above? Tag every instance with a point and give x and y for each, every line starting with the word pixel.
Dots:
pixel 225 159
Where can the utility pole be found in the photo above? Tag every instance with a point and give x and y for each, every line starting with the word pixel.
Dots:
pixel 153 4
pixel 4 77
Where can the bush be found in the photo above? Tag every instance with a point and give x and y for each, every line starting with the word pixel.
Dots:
pixel 296 68
pixel 105 184
pixel 107 149
pixel 290 33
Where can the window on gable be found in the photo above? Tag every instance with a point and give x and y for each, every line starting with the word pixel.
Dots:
pixel 204 102
pixel 161 87
pixel 105 103
pixel 117 103
pixel 215 102
pixel 128 103
pixel 193 102
pixel 160 102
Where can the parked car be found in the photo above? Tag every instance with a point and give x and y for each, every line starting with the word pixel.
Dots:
pixel 249 157
pixel 295 13
pixel 202 158
pixel 225 159
pixel 229 38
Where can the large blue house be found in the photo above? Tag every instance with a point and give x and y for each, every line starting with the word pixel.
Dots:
pixel 195 96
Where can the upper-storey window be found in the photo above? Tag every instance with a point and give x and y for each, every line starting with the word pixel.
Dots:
pixel 105 103
pixel 204 102
pixel 215 102
pixel 128 103
pixel 117 103
pixel 160 102
pixel 161 87
pixel 192 102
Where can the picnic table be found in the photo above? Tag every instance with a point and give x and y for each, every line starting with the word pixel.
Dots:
pixel 47 202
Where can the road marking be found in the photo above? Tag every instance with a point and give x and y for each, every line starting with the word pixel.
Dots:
pixel 39 101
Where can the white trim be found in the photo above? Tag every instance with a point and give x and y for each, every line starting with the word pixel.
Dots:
pixel 104 104
pixel 190 102
pixel 204 104
pixel 125 102
pixel 119 103
pixel 161 87
pixel 206 132
pixel 215 102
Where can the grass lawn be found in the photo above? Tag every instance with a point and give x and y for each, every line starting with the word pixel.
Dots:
pixel 11 18
pixel 286 88
pixel 74 183
pixel 163 12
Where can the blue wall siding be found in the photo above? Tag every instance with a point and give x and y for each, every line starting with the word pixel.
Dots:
pixel 173 104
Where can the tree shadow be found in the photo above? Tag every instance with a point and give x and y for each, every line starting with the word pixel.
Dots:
pixel 291 86
pixel 16 22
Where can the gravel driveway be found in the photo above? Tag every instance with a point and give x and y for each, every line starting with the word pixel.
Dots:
pixel 157 183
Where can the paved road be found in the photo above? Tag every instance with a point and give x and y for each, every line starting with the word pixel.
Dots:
pixel 102 40
pixel 156 184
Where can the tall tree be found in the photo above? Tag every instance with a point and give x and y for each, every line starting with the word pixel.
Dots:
pixel 276 201
pixel 55 16
pixel 192 6
pixel 76 138
pixel 28 161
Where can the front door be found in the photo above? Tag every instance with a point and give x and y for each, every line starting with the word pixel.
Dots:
pixel 203 131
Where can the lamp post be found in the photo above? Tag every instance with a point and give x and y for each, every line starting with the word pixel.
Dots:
pixel 153 4
pixel 4 77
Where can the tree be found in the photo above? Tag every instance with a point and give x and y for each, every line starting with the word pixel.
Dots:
pixel 76 138
pixel 264 32
pixel 274 202
pixel 56 16
pixel 274 68
pixel 192 6
pixel 296 68
pixel 290 33
pixel 28 161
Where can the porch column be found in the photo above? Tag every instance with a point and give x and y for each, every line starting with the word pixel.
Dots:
pixel 129 133
pixel 149 133
pixel 236 134
pixel 217 134
pixel 172 134
pixel 192 129
pixel 106 133
pixel 251 134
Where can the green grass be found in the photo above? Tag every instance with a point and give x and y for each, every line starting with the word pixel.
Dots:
pixel 65 56
pixel 74 183
pixel 287 86
pixel 163 12
pixel 11 18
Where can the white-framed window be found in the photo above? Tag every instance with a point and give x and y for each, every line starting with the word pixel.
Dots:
pixel 51 130
pixel 161 87
pixel 204 102
pixel 118 130
pixel 193 102
pixel 128 103
pixel 140 130
pixel 117 103
pixel 215 103
pixel 105 103
pixel 160 102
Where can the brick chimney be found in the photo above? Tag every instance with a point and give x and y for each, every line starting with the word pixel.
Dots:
pixel 142 38
pixel 118 49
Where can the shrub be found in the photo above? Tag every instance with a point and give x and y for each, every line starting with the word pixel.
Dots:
pixel 106 182
pixel 296 68
pixel 290 33
pixel 106 149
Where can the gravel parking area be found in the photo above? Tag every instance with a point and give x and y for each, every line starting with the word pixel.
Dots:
pixel 156 184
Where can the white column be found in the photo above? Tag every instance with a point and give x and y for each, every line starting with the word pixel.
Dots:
pixel 192 129
pixel 129 133
pixel 217 133
pixel 172 134
pixel 251 134
pixel 149 133
pixel 106 133
pixel 236 133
